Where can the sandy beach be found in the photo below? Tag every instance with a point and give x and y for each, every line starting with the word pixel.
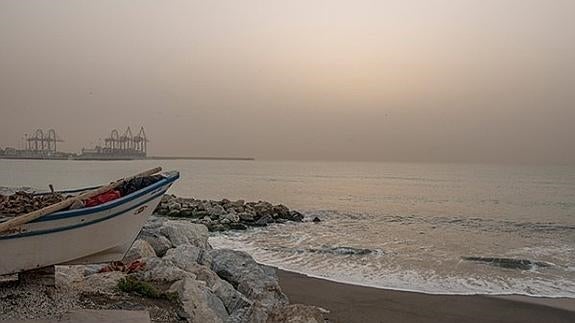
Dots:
pixel 350 303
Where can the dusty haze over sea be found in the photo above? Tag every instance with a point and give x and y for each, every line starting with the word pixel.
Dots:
pixel 425 80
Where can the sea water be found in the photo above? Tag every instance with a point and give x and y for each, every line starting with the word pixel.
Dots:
pixel 406 226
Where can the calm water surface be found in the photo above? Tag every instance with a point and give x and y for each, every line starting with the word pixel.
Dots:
pixel 417 220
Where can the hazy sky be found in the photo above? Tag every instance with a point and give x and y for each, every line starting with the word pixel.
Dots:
pixel 429 80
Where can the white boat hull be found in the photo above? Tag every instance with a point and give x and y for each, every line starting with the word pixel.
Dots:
pixel 94 235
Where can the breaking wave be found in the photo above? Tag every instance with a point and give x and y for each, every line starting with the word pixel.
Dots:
pixel 437 255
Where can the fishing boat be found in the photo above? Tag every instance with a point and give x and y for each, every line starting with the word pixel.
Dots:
pixel 97 234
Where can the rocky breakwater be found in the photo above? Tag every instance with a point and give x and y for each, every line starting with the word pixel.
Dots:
pixel 171 271
pixel 225 214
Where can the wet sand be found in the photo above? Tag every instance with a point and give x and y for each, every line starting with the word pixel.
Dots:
pixel 350 303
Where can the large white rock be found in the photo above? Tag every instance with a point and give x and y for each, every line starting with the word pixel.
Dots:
pixel 251 279
pixel 180 233
pixel 140 249
pixel 159 243
pixel 160 269
pixel 233 300
pixel 199 303
pixel 187 256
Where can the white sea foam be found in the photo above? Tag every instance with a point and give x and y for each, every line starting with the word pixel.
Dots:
pixel 359 271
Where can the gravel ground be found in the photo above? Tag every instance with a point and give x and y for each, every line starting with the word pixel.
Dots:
pixel 161 311
pixel 29 300
pixel 33 301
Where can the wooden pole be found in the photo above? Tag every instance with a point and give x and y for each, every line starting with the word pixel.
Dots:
pixel 25 218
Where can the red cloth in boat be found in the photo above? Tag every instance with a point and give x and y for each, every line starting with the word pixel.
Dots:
pixel 102 198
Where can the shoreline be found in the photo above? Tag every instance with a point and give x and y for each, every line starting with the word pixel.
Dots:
pixel 355 303
pixel 367 285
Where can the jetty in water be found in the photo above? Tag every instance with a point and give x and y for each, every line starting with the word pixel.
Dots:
pixel 198 158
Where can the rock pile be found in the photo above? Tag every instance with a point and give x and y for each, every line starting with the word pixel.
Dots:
pixel 23 202
pixel 212 285
pixel 226 215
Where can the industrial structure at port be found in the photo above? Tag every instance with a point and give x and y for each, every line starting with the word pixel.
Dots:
pixel 43 145
pixel 40 145
pixel 119 147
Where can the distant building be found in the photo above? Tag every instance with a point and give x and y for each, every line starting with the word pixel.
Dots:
pixel 40 145
pixel 124 147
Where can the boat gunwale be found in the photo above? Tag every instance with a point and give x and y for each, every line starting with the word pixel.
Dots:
pixel 169 178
